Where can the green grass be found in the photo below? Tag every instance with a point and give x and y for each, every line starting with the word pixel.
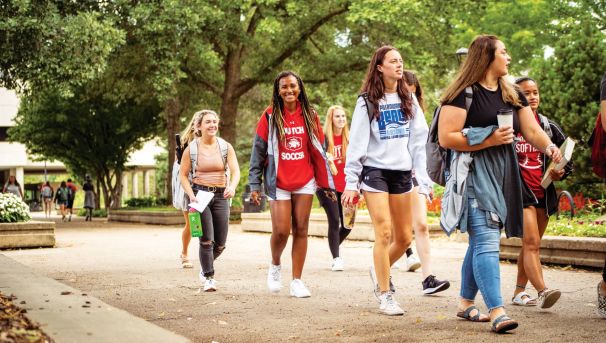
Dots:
pixel 584 225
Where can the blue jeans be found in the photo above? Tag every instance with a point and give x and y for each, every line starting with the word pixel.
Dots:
pixel 480 269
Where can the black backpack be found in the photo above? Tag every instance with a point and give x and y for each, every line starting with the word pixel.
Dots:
pixel 370 107
pixel 438 158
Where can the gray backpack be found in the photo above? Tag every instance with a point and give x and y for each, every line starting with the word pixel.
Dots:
pixel 438 158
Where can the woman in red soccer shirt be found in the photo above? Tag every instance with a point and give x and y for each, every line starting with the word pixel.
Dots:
pixel 536 216
pixel 287 152
pixel 337 138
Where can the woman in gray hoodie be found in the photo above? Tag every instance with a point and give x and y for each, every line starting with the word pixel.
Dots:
pixel 390 132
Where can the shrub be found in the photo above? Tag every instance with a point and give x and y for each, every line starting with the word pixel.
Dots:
pixel 97 213
pixel 141 202
pixel 13 209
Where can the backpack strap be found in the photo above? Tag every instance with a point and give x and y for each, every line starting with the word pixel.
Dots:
pixel 468 97
pixel 370 107
pixel 193 155
pixel 545 125
pixel 223 147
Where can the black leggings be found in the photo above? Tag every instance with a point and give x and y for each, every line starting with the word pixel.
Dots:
pixel 334 212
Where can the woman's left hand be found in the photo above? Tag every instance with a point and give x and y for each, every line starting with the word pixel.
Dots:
pixel 556 175
pixel 554 153
pixel 229 192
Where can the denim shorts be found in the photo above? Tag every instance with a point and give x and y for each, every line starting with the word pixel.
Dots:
pixel 386 181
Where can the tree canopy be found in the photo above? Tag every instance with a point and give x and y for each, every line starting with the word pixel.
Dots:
pixel 223 55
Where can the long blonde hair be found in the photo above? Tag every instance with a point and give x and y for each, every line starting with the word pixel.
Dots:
pixel 481 54
pixel 190 132
pixel 329 129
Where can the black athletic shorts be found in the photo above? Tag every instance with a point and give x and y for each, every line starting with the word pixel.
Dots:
pixel 415 183
pixel 541 203
pixel 384 180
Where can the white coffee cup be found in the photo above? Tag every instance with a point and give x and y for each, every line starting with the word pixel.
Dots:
pixel 505 118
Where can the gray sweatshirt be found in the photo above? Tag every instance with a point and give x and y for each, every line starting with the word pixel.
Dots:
pixel 392 142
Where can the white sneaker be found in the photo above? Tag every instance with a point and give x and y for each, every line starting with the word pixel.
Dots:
pixel 389 305
pixel 298 289
pixel 412 263
pixel 338 264
pixel 274 278
pixel 210 285
pixel 396 265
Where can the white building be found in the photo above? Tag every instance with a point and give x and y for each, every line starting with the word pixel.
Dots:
pixel 14 159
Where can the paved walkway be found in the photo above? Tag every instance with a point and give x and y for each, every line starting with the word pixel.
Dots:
pixel 136 268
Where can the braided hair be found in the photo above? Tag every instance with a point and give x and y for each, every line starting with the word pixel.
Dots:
pixel 277 107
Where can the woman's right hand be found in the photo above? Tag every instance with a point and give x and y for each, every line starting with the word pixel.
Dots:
pixel 255 197
pixel 347 198
pixel 192 198
pixel 502 135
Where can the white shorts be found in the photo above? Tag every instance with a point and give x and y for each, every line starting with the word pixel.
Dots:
pixel 309 188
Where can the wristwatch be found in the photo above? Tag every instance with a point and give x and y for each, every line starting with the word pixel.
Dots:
pixel 549 146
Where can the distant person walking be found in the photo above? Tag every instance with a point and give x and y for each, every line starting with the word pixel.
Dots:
pixel 533 164
pixel 47 198
pixel 336 141
pixel 430 283
pixel 288 157
pixel 187 136
pixel 89 198
pixel 12 186
pixel 70 203
pixel 489 194
pixel 205 166
pixel 62 197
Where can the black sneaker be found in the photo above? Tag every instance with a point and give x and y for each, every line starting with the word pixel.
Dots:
pixel 431 285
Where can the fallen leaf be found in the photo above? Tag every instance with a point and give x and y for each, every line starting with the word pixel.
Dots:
pixel 161 314
pixel 222 322
pixel 66 293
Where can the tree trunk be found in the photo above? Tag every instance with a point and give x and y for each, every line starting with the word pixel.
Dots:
pixel 229 113
pixel 172 110
pixel 230 99
pixel 98 193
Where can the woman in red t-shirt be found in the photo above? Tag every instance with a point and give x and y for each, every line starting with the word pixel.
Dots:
pixel 337 138
pixel 288 153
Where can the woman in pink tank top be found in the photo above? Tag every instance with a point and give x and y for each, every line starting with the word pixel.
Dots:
pixel 209 174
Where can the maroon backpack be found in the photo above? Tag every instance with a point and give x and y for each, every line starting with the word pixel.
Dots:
pixel 598 149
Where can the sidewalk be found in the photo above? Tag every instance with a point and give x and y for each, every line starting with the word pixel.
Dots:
pixel 69 315
pixel 136 268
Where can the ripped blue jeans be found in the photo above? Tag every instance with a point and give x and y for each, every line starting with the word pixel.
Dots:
pixel 480 269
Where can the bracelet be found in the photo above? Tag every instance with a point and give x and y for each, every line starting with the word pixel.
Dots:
pixel 549 146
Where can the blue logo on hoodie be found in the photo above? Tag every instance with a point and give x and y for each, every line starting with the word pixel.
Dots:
pixel 392 123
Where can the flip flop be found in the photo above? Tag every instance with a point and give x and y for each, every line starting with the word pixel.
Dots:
pixel 524 299
pixel 475 318
pixel 503 324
